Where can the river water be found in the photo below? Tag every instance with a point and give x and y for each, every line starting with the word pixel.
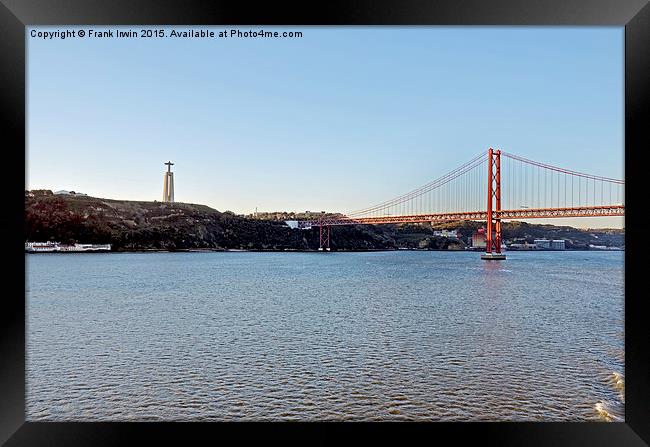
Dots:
pixel 403 335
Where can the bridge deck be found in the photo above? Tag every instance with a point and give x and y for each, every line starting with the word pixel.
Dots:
pixel 523 213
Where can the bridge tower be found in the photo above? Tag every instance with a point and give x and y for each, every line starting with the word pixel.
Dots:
pixel 493 231
pixel 324 237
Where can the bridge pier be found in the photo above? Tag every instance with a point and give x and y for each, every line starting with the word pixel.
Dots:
pixel 493 256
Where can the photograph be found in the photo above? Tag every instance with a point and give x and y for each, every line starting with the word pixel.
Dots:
pixel 325 223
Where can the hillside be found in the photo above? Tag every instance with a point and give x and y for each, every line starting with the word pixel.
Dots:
pixel 136 225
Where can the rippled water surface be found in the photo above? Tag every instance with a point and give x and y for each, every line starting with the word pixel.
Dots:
pixel 336 336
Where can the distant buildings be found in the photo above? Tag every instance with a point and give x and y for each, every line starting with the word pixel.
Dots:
pixel 546 244
pixel 63 192
pixel 478 238
pixel 557 244
pixel 524 246
pixel 293 224
pixel 540 244
pixel 603 247
pixel 446 233
pixel 543 244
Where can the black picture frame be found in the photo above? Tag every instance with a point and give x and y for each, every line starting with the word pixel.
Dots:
pixel 16 15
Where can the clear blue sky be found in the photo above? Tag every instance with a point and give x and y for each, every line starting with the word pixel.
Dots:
pixel 337 120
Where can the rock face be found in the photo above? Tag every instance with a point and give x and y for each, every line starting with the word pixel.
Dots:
pixel 133 225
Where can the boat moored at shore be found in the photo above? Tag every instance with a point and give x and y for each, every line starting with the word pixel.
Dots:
pixel 56 247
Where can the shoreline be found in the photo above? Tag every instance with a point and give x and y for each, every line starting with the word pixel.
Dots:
pixel 237 250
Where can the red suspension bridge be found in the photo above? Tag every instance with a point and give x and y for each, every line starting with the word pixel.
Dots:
pixel 491 187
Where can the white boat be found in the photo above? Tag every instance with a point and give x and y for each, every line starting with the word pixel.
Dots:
pixel 41 247
pixel 48 247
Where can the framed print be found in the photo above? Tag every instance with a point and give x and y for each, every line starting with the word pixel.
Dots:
pixel 324 218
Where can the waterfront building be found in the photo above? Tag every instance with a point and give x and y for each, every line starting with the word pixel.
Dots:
pixel 543 244
pixel 478 238
pixel 557 244
pixel 524 246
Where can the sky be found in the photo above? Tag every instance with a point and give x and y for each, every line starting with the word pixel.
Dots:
pixel 337 120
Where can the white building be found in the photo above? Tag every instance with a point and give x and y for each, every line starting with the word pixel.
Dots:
pixel 557 244
pixel 446 233
pixel 293 224
pixel 524 246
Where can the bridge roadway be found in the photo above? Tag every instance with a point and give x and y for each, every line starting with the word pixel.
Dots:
pixel 523 213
